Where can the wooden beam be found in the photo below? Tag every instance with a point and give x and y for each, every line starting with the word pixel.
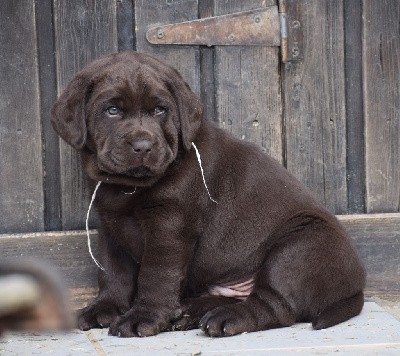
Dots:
pixel 376 237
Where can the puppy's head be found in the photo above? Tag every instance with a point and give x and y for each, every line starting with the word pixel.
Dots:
pixel 133 114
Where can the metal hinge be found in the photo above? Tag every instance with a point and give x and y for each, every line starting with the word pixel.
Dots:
pixel 270 26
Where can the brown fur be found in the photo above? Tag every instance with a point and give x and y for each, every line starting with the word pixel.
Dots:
pixel 164 245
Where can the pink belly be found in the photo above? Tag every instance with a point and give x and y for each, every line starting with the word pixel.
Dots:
pixel 238 290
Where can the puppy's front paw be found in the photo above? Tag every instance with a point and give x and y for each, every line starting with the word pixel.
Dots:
pixel 141 322
pixel 99 314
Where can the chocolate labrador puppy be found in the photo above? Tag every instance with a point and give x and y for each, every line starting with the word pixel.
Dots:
pixel 197 228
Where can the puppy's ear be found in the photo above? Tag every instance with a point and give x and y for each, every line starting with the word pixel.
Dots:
pixel 68 112
pixel 190 110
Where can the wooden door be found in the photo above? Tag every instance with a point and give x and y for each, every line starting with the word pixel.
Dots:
pixel 332 118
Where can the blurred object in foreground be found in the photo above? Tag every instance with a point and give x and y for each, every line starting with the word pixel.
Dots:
pixel 32 298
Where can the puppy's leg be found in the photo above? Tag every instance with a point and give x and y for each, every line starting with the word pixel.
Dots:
pixel 311 271
pixel 195 308
pixel 117 288
pixel 339 312
pixel 162 272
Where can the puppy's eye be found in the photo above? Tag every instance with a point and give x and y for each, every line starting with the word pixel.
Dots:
pixel 113 111
pixel 160 110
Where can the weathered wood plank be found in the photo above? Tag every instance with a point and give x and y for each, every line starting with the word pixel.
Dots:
pixel 67 251
pixel 149 13
pixel 248 92
pixel 381 55
pixel 48 95
pixel 125 25
pixel 207 79
pixel 84 30
pixel 21 182
pixel 354 106
pixel 314 97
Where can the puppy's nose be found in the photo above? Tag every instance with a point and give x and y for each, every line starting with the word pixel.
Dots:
pixel 142 146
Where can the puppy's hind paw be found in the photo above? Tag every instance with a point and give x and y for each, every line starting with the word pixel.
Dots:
pixel 226 321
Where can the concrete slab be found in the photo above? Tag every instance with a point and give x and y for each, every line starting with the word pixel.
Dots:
pixel 61 344
pixel 374 332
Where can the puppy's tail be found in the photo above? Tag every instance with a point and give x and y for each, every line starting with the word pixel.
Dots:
pixel 339 312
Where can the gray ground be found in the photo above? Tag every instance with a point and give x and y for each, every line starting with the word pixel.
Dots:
pixel 375 332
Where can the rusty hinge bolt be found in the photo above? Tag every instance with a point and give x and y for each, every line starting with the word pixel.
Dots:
pixel 295 50
pixel 160 35
pixel 291 31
